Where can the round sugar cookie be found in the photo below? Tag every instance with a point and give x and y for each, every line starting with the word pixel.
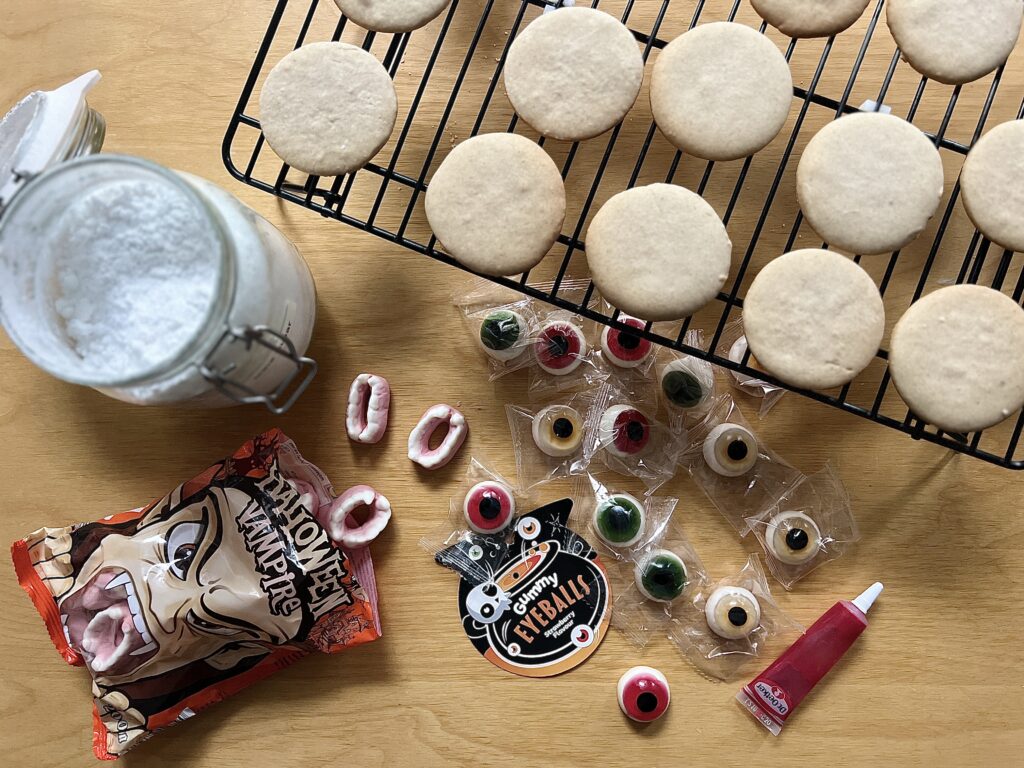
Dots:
pixel 328 108
pixel 574 73
pixel 392 15
pixel 658 252
pixel 810 18
pixel 497 204
pixel 721 91
pixel 956 358
pixel 868 183
pixel 955 41
pixel 814 319
pixel 992 183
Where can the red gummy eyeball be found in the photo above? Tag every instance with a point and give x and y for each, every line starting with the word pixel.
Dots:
pixel 644 694
pixel 625 431
pixel 489 507
pixel 560 347
pixel 626 350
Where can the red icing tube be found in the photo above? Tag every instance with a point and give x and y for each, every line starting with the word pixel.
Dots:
pixel 772 696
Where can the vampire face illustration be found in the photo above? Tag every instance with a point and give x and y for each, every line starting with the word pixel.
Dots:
pixel 191 582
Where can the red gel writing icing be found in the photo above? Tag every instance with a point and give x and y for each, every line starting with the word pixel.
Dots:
pixel 772 696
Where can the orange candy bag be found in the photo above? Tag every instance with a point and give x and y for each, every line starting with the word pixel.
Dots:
pixel 182 603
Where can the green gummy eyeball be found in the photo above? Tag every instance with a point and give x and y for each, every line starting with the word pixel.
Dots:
pixel 662 576
pixel 500 330
pixel 619 520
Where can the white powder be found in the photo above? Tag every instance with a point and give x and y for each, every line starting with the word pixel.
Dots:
pixel 136 267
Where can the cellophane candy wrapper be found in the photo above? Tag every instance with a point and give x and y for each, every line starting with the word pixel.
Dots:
pixel 557 425
pixel 725 659
pixel 502 324
pixel 686 384
pixel 566 349
pixel 636 615
pixel 630 441
pixel 179 604
pixel 592 494
pixel 815 515
pixel 748 493
pixel 491 502
pixel 733 346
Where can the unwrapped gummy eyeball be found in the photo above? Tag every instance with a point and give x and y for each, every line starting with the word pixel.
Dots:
pixel 625 431
pixel 732 612
pixel 558 430
pixel 489 507
pixel 644 694
pixel 502 334
pixel 560 347
pixel 793 538
pixel 620 520
pixel 661 576
pixel 626 350
pixel 687 382
pixel 730 450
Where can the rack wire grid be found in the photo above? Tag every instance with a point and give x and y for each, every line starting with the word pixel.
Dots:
pixel 448 84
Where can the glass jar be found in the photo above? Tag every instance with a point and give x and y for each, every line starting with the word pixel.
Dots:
pixel 154 287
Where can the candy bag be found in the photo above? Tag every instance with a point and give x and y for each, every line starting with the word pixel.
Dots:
pixel 182 603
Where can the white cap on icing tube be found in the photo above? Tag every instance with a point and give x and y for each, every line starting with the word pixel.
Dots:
pixel 867 598
pixel 33 133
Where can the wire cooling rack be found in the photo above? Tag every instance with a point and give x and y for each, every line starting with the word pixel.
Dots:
pixel 448 77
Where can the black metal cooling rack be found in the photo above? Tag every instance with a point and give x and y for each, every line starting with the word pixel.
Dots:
pixel 397 196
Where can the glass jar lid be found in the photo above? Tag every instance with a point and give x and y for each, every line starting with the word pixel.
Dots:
pixel 36 134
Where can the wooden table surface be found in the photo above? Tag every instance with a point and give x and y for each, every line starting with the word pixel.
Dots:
pixel 937 680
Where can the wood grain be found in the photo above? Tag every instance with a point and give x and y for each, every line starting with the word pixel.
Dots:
pixel 936 680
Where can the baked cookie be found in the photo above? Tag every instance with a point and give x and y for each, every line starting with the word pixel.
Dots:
pixel 814 319
pixel 392 15
pixel 574 73
pixel 721 91
pixel 810 18
pixel 658 252
pixel 955 357
pixel 327 108
pixel 868 183
pixel 954 41
pixel 992 182
pixel 497 204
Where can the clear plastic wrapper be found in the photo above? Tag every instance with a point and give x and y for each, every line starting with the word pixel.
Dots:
pixel 550 439
pixel 663 573
pixel 481 513
pixel 730 623
pixel 615 521
pixel 686 384
pixel 502 325
pixel 810 525
pixel 630 441
pixel 739 474
pixel 623 354
pixel 733 346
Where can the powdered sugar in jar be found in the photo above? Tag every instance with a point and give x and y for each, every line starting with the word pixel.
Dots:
pixel 154 287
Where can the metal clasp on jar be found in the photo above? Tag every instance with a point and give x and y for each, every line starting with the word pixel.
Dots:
pixel 290 388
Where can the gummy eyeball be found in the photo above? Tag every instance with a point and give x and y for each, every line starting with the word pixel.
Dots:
pixel 661 576
pixel 732 612
pixel 560 347
pixel 502 334
pixel 793 538
pixel 687 382
pixel 730 450
pixel 626 350
pixel 625 431
pixel 558 430
pixel 644 694
pixel 489 507
pixel 620 520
